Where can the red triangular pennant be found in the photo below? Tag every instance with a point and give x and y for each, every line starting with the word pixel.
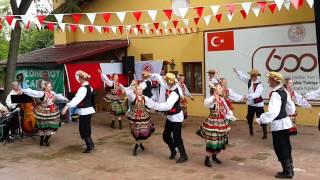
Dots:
pixel 73 27
pixel 106 29
pixel 106 17
pixel 120 29
pixel 130 31
pixel 301 2
pixel 231 8
pixel 168 13
pixel 41 18
pixel 243 13
pixel 90 29
pixel 199 11
pixel 219 17
pixel 50 26
pixel 196 20
pixel 161 31
pixel 76 18
pixel 27 25
pixel 152 30
pixel 262 6
pixel 137 15
pixel 9 19
pixel 179 31
pixel 175 23
pixel 0 24
pixel 138 26
pixel 170 30
pixel 272 7
pixel 156 25
pixel 140 30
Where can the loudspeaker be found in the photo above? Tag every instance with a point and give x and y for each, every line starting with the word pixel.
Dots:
pixel 128 65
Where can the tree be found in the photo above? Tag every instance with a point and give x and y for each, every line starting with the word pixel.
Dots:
pixel 33 40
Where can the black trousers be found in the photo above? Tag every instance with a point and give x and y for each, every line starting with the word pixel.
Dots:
pixel 85 126
pixel 172 134
pixel 281 144
pixel 12 125
pixel 254 111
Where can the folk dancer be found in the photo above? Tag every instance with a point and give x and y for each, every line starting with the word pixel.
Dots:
pixel 116 98
pixel 215 128
pixel 314 95
pixel 298 100
pixel 139 115
pixel 280 106
pixel 146 84
pixel 186 93
pixel 46 112
pixel 172 131
pixel 229 95
pixel 255 101
pixel 82 100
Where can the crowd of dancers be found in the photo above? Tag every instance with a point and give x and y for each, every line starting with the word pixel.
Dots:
pixel 172 101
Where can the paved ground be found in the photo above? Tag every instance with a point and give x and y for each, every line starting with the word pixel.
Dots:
pixel 245 158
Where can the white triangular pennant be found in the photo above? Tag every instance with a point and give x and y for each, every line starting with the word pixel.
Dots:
pixel 135 30
pixel 230 16
pixel 121 16
pixel 18 3
pixel 186 22
pixel 98 28
pixel 146 25
pixel 189 30
pixel 215 9
pixel 182 30
pixel 279 3
pixel 310 2
pixel 25 19
pixel 246 6
pixel 157 31
pixel 147 31
pixel 81 27
pixel 59 17
pixel 114 29
pixel 91 17
pixel 128 27
pixel 153 14
pixel 183 12
pixel 174 31
pixel 62 26
pixel 256 11
pixel 13 24
pixel 207 19
pixel 286 4
pixel 36 22
pixel 166 31
pixel 165 24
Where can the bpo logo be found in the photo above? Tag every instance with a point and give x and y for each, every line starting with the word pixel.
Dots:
pixel 297 33
pixel 148 67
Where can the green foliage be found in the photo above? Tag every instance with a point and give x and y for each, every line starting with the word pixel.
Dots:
pixel 33 40
pixel 4 47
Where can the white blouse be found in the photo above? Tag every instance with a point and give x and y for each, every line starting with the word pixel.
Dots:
pixel 210 102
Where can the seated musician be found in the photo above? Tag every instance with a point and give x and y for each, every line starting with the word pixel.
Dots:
pixel 15 91
pixel 3 110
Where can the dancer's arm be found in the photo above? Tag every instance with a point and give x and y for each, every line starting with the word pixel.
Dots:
pixel 229 113
pixel 149 102
pixel 209 102
pixel 166 106
pixel 235 96
pixel 60 97
pixel 159 79
pixel 313 95
pixel 33 93
pixel 106 80
pixel 273 109
pixel 301 101
pixel 80 95
pixel 243 77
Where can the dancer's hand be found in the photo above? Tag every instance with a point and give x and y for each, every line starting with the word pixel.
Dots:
pixel 192 98
pixel 64 110
pixel 258 120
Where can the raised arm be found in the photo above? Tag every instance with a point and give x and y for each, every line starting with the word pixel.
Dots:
pixel 301 101
pixel 106 80
pixel 166 106
pixel 313 95
pixel 33 93
pixel 159 79
pixel 129 93
pixel 243 77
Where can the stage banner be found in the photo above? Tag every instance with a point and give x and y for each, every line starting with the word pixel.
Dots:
pixel 115 68
pixel 150 66
pixel 33 74
pixel 288 49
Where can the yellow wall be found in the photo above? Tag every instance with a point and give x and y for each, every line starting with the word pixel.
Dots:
pixel 184 48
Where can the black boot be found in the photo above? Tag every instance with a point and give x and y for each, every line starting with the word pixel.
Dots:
pixel 207 162
pixel 88 144
pixel 41 140
pixel 251 130
pixel 112 124
pixel 283 168
pixel 173 152
pixel 265 132
pixel 46 141
pixel 287 170
pixel 214 158
pixel 120 124
pixel 134 153
pixel 142 147
pixel 183 154
pixel 91 143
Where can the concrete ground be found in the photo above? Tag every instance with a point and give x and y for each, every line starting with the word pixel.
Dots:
pixel 245 158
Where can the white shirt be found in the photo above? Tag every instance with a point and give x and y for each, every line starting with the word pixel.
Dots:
pixel 40 94
pixel 144 83
pixel 274 110
pixel 300 100
pixel 80 95
pixel 210 101
pixel 233 96
pixel 9 101
pixel 106 80
pixel 185 90
pixel 251 93
pixel 132 97
pixel 313 95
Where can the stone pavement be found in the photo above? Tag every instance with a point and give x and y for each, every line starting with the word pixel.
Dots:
pixel 245 158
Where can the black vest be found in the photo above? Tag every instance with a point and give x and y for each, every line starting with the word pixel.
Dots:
pixel 87 101
pixel 147 91
pixel 256 100
pixel 283 94
pixel 176 109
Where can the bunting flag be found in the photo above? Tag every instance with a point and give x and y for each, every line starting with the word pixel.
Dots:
pixel 166 31
pixel 165 24
pixel 186 22
pixel 156 25
pixel 295 3
pixel 76 18
pixel 114 29
pixel 230 17
pixel 286 4
pixel 41 18
pixel 106 30
pixel 219 17
pixel 120 29
pixel 106 17
pixel 146 25
pixel 98 28
pixel 0 24
pixel 199 11
pixel 135 31
pixel 25 19
pixel 73 27
pixel 138 26
pixel 246 7
pixel 121 16
pixel 262 6
pixel 310 2
pixel 207 19
pixel 90 29
pixel 18 3
pixel 153 14
pixel 59 17
pixel 9 19
pixel 152 31
pixel 196 20
pixel 147 31
pixel 175 23
pixel 81 27
pixel 279 4
pixel 50 26
pixel 137 15
pixel 13 23
pixel 272 7
pixel 231 8
pixel 183 12
pixel 62 26
pixel 243 13
pixel 256 11
pixel 215 9
pixel 168 13
pixel 91 17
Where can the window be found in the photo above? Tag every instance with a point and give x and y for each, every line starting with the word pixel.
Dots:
pixel 193 76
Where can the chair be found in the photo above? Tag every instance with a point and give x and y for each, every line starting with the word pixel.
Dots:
pixel 3 119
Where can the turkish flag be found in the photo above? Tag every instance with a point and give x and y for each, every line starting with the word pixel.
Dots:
pixel 220 41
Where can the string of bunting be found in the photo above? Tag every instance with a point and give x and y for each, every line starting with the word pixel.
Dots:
pixel 260 7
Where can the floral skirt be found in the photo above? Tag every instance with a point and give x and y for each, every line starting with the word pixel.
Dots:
pixel 141 129
pixel 48 119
